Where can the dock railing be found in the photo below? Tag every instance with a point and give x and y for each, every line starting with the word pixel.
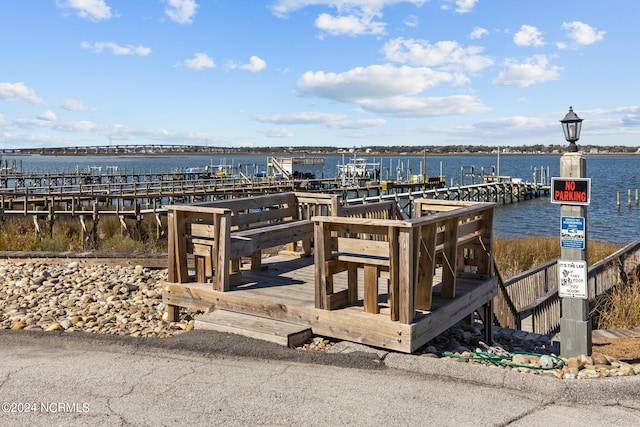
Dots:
pixel 217 234
pixel 534 293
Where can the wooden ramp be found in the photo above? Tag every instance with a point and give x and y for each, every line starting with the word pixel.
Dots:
pixel 276 331
pixel 284 291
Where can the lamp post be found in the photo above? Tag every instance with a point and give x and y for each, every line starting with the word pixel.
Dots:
pixel 571 125
pixel 572 191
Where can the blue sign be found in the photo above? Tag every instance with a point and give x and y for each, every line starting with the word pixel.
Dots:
pixel 572 232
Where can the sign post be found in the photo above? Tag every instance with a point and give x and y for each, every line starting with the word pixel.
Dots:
pixel 573 192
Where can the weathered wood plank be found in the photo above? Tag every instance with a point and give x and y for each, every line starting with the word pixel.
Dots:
pixel 430 326
pixel 276 331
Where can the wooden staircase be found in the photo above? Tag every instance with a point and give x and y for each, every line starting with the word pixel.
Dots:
pixel 276 331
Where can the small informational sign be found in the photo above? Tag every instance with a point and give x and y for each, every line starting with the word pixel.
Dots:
pixel 572 232
pixel 571 191
pixel 572 279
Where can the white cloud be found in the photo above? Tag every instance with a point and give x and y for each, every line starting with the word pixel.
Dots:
pixel 18 92
pixel 2 120
pixel 93 10
pixel 200 61
pixel 448 55
pixel 465 6
pixel 276 133
pixel 357 124
pixel 120 132
pixel 461 6
pixel 334 121
pixel 528 36
pixel 79 126
pixel 181 11
pixel 116 49
pixel 48 116
pixel 351 25
pixel 74 105
pixel 582 33
pixel 515 122
pixel 411 21
pixel 620 110
pixel 534 70
pixel 282 8
pixel 478 33
pixel 353 17
pixel 255 64
pixel 376 81
pixel 408 106
pixel 387 89
pixel 299 118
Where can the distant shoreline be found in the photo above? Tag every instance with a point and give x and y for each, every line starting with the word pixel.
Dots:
pixel 304 154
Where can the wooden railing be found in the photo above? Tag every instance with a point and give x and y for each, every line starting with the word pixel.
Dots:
pixel 455 235
pixel 535 292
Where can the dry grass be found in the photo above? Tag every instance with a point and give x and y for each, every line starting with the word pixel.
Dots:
pixel 620 308
pixel 514 256
pixel 18 234
pixel 624 348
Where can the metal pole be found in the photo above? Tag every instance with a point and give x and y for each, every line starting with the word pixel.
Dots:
pixel 575 325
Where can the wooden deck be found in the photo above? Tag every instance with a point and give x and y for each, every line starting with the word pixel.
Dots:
pixel 284 290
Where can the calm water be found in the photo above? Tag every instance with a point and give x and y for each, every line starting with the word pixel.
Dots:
pixel 609 175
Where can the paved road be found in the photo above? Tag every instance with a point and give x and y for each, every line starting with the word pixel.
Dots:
pixel 207 378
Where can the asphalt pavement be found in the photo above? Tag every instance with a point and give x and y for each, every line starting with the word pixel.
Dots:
pixel 210 378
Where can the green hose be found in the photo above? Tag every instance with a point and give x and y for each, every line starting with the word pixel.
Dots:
pixel 505 359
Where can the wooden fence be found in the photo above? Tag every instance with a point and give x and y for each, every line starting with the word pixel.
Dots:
pixel 534 293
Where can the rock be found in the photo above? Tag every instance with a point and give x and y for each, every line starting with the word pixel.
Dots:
pixel 55 326
pixel 586 360
pixel 599 359
pixel 18 325
pixel 65 324
pixel 575 363
pixel 520 359
pixel 127 300
pixel 625 370
pixel 547 362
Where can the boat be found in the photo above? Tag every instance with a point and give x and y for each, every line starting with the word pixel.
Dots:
pixel 357 169
pixel 221 170
pixel 296 167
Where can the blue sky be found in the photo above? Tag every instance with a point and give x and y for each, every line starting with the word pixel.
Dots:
pixel 350 73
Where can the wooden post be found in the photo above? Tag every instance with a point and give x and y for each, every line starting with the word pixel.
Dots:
pixel 394 273
pixel 450 256
pixel 575 326
pixel 406 277
pixel 427 265
pixel 50 219
pixel 322 252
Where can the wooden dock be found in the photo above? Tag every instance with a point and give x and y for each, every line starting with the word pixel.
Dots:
pixel 374 278
pixel 284 290
pixel 131 196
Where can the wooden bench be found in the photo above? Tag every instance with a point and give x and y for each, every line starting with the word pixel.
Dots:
pixel 406 250
pixel 353 247
pixel 220 233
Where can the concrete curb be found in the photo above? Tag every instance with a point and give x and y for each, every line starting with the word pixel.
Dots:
pixel 577 391
pixel 348 355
